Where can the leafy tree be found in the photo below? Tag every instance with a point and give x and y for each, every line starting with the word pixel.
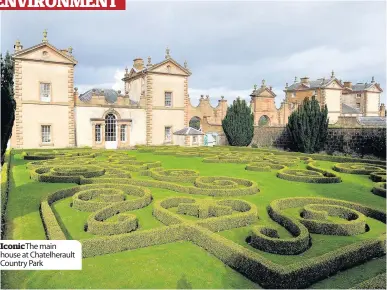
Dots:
pixel 308 126
pixel 238 124
pixel 8 104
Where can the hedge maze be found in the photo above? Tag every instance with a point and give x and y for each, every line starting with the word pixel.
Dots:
pixel 112 186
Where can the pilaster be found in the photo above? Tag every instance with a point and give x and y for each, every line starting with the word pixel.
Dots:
pixel 18 99
pixel 71 101
pixel 149 109
pixel 186 108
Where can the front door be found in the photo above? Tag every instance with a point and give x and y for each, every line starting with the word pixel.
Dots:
pixel 110 132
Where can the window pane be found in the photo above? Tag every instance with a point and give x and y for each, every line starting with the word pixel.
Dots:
pixel 168 135
pixel 123 133
pixel 46 134
pixel 110 128
pixel 45 92
pixel 168 99
pixel 98 133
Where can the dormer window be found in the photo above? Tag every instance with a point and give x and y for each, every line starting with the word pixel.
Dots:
pixel 168 68
pixel 45 53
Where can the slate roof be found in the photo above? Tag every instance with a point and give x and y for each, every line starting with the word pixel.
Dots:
pixel 188 131
pixel 319 83
pixel 109 94
pixel 372 121
pixel 346 109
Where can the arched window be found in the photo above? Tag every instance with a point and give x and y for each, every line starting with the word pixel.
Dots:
pixel 110 128
pixel 264 121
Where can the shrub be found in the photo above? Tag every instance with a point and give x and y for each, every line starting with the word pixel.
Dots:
pixel 238 124
pixel 380 189
pixel 308 126
pixel 357 168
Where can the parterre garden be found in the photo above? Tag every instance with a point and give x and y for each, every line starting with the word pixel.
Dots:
pixel 222 217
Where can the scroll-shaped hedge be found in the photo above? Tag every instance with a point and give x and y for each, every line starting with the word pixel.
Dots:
pixel 108 201
pixel 314 175
pixel 378 176
pixel 357 168
pixel 314 218
pixel 174 175
pixel 379 189
pixel 263 166
pixel 65 174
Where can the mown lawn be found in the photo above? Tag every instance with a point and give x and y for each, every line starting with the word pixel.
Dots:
pixel 181 265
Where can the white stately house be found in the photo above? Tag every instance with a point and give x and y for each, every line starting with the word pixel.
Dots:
pixel 52 114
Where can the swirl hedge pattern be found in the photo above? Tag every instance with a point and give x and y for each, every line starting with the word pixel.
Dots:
pixel 116 188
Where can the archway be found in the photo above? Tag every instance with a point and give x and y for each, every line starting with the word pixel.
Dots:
pixel 264 121
pixel 195 123
pixel 110 131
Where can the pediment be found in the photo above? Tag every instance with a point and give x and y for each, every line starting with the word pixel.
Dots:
pixel 170 67
pixel 45 52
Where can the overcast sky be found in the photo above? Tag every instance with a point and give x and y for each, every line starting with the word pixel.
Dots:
pixel 229 46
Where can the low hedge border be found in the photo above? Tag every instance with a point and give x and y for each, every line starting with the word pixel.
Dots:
pixel 5 185
pixel 263 166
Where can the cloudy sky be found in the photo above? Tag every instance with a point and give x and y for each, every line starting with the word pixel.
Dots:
pixel 229 46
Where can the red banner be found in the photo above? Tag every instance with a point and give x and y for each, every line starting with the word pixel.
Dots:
pixel 62 4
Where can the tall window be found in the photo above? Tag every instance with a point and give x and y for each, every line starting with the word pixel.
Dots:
pixel 168 99
pixel 45 92
pixel 358 105
pixel 46 134
pixel 358 95
pixel 194 139
pixel 110 127
pixel 168 134
pixel 123 133
pixel 98 133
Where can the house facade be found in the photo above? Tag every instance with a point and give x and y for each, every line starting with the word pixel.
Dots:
pixel 51 113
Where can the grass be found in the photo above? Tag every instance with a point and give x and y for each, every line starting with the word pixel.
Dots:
pixel 182 264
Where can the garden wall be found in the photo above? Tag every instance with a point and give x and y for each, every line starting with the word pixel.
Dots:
pixel 347 140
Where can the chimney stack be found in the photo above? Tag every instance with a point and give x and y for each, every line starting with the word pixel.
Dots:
pixel 17 46
pixel 305 80
pixel 348 85
pixel 138 63
pixel 382 110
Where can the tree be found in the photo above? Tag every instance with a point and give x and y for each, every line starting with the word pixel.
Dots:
pixel 195 123
pixel 238 124
pixel 8 104
pixel 308 126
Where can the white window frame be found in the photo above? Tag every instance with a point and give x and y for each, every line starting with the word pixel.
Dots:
pixel 195 139
pixel 165 99
pixel 358 96
pixel 123 133
pixel 45 92
pixel 98 133
pixel 46 134
pixel 168 136
pixel 358 105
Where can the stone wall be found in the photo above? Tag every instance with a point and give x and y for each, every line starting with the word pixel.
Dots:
pixel 347 140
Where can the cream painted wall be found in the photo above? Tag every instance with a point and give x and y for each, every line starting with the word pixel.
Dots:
pixel 36 115
pixel 134 88
pixel 163 118
pixel 35 72
pixel 373 103
pixel 84 127
pixel 170 83
pixel 332 98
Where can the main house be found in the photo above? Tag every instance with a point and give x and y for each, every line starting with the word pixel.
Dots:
pixel 52 114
